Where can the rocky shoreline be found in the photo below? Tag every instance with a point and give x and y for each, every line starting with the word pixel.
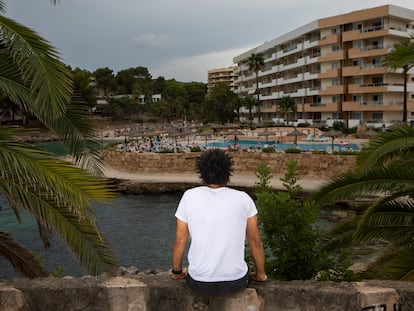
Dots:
pixel 126 186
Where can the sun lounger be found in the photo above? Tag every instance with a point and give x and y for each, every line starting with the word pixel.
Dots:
pixel 321 138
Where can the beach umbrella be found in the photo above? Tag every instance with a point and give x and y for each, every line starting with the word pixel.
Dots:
pixel 177 134
pixel 296 133
pixel 316 126
pixel 205 134
pixel 266 133
pixel 332 134
pixel 235 134
pixel 369 133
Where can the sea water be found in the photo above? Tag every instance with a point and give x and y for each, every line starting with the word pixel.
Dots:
pixel 140 229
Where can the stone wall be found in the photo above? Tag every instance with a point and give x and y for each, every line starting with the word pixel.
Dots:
pixel 159 293
pixel 311 165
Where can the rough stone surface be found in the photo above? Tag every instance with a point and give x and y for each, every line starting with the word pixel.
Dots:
pixel 158 292
pixel 314 165
pixel 11 299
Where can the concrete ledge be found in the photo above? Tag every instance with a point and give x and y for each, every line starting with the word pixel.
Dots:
pixel 145 292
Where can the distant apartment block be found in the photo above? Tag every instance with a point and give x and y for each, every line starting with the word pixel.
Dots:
pixel 333 68
pixel 219 75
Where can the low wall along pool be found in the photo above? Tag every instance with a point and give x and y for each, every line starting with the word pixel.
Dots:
pixel 251 145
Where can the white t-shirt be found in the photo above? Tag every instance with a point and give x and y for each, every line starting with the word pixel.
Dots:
pixel 217 220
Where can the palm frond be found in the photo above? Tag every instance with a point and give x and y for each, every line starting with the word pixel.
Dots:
pixel 374 182
pixel 11 84
pixel 394 264
pixel 341 235
pixel 396 144
pixel 42 70
pixel 2 7
pixel 20 258
pixel 75 129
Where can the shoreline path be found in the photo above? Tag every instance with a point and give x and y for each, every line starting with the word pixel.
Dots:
pixel 237 179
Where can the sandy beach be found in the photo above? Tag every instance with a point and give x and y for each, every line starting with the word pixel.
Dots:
pixel 238 179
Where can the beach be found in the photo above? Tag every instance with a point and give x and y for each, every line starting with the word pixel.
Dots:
pixel 237 179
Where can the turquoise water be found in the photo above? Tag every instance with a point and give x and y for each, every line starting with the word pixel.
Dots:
pixel 246 144
pixel 140 230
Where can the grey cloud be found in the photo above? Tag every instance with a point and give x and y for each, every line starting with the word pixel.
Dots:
pixel 150 40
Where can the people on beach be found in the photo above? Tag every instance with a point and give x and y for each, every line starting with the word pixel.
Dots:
pixel 218 219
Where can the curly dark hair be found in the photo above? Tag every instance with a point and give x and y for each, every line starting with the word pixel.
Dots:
pixel 215 167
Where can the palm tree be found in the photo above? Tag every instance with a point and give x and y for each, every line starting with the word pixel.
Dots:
pixel 248 102
pixel 402 56
pixel 385 170
pixel 57 194
pixel 287 104
pixel 255 62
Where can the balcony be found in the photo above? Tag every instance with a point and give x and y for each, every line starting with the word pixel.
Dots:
pixel 362 70
pixel 330 73
pixel 368 52
pixel 268 96
pixel 337 55
pixel 372 106
pixel 367 88
pixel 319 107
pixel 366 34
pixel 310 44
pixel 267 84
pixel 331 39
pixel 271 58
pixel 309 76
pixel 333 90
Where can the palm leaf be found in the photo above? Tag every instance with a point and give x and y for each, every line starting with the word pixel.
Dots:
pixel 42 71
pixel 22 260
pixel 58 195
pixel 397 144
pixel 395 263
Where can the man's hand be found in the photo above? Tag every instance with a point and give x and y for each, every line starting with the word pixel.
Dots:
pixel 259 277
pixel 180 276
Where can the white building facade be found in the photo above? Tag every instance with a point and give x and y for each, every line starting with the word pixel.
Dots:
pixel 333 69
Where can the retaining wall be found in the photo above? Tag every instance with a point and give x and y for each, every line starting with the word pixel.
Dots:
pixel 311 165
pixel 160 293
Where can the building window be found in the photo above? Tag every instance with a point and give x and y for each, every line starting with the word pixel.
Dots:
pixel 356 98
pixel 357 44
pixel 377 81
pixel 335 64
pixel 336 81
pixel 377 115
pixel 357 26
pixel 356 115
pixel 335 48
pixel 377 62
pixel 357 62
pixel 357 80
pixel 377 98
pixel 336 99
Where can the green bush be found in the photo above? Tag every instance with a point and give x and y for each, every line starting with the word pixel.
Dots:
pixel 268 150
pixel 293 150
pixel 195 149
pixel 292 243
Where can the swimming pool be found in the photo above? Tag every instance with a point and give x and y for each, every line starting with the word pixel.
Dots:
pixel 251 144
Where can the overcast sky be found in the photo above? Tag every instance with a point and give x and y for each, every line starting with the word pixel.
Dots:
pixel 179 39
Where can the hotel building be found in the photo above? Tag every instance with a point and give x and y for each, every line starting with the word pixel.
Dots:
pixel 219 75
pixel 333 69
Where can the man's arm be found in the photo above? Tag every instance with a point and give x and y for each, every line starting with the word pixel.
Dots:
pixel 181 237
pixel 255 243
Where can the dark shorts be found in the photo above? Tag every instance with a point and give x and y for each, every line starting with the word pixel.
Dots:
pixel 217 289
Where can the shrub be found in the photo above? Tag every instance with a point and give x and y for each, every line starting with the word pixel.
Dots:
pixel 268 149
pixel 195 149
pixel 292 243
pixel 293 150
